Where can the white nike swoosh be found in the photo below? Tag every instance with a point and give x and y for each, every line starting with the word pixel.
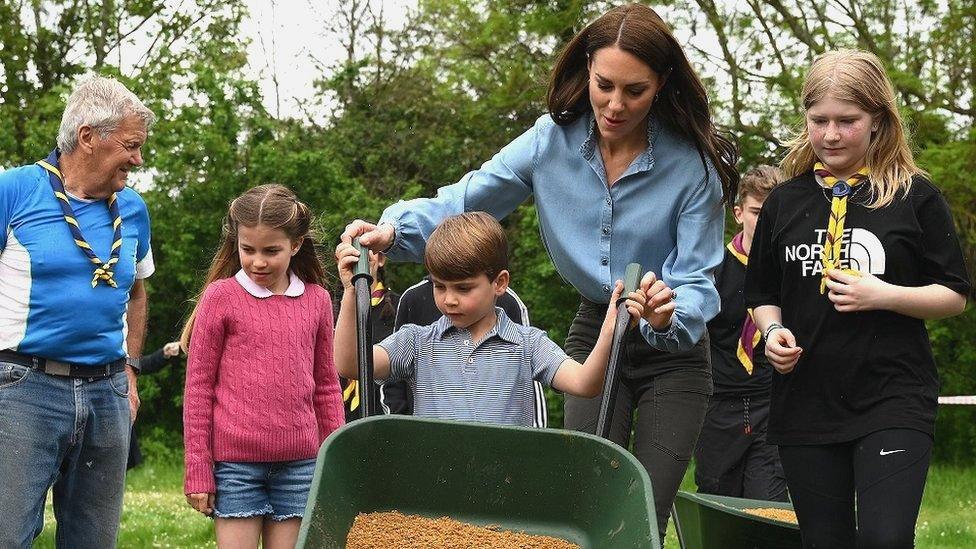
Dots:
pixel 883 453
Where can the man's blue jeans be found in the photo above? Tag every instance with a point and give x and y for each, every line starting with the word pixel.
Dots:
pixel 73 434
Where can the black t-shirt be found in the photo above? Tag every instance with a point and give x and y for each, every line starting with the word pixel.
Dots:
pixel 729 376
pixel 864 371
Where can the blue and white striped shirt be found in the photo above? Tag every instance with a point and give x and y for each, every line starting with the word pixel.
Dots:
pixel 490 381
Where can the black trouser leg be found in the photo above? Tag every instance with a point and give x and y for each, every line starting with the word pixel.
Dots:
pixel 890 467
pixel 670 408
pixel 821 481
pixel 886 473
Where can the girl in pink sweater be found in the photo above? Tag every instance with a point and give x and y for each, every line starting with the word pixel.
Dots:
pixel 262 391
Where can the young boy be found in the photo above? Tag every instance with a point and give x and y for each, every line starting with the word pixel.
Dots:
pixel 732 457
pixel 474 363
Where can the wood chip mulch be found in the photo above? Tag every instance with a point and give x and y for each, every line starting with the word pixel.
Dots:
pixel 393 529
pixel 783 515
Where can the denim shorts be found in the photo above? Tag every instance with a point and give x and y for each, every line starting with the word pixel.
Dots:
pixel 279 489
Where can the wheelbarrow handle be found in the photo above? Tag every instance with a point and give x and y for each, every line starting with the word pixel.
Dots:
pixel 632 277
pixel 362 281
pixel 362 267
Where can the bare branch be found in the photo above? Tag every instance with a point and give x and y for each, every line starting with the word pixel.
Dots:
pixel 797 25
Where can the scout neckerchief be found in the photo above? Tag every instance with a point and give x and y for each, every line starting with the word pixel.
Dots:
pixel 841 189
pixel 750 335
pixel 103 269
pixel 350 394
pixel 377 296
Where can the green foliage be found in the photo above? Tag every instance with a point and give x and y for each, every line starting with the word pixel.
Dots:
pixel 414 109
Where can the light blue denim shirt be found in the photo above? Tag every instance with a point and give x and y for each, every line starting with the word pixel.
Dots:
pixel 665 213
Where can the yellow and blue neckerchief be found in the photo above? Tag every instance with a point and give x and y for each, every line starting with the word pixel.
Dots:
pixel 103 269
pixel 840 189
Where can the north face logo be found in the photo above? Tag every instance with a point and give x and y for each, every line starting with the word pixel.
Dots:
pixel 861 250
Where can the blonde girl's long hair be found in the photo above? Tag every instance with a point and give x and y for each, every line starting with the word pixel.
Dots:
pixel 858 77
pixel 274 206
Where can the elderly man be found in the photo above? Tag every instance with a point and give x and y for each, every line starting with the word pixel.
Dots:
pixel 74 248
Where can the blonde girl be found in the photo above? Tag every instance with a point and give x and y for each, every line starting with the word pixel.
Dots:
pixel 850 257
pixel 262 391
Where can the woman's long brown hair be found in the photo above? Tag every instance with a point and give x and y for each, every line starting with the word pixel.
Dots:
pixel 274 206
pixel 682 104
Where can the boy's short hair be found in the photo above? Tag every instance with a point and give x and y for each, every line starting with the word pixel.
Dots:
pixel 465 246
pixel 758 182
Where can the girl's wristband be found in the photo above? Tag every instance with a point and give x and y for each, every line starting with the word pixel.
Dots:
pixel 770 328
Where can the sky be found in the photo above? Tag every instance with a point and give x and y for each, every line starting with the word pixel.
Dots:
pixel 285 36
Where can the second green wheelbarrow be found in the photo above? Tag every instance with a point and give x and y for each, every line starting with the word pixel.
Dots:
pixel 707 521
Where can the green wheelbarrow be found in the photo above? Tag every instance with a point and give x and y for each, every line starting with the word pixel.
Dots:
pixel 571 485
pixel 706 521
pixel 565 484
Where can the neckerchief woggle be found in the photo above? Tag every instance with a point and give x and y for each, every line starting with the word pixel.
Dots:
pixel 749 337
pixel 103 269
pixel 841 190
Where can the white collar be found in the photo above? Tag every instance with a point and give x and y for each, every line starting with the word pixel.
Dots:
pixel 295 285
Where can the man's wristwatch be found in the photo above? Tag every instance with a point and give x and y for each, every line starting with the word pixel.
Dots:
pixel 135 363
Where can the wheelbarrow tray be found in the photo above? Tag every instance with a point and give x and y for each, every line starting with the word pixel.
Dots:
pixel 552 482
pixel 708 521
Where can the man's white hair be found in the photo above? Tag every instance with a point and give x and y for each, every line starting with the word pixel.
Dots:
pixel 100 103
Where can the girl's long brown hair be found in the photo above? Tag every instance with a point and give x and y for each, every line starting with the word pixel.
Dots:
pixel 276 207
pixel 682 104
pixel 859 77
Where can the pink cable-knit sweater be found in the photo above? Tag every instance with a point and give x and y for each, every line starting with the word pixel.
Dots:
pixel 260 382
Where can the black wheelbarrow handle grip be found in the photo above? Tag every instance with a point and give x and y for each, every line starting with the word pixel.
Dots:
pixel 632 277
pixel 362 282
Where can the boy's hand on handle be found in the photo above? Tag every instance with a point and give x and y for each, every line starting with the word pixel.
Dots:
pixel 660 302
pixel 781 350
pixel 375 237
pixel 346 258
pixel 202 502
pixel 635 306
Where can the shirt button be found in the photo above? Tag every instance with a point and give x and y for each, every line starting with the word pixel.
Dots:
pixel 471 361
pixel 606 288
pixel 606 230
pixel 604 261
pixel 467 342
pixel 609 201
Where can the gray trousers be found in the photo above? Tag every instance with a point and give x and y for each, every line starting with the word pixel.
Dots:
pixel 669 393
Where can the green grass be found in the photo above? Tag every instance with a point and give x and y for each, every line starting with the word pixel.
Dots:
pixel 156 514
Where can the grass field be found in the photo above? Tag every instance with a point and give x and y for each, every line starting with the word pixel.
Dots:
pixel 156 514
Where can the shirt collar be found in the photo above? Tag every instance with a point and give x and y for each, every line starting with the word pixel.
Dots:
pixel 503 328
pixel 295 285
pixel 643 162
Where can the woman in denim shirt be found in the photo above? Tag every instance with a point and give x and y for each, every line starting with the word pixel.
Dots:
pixel 625 167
